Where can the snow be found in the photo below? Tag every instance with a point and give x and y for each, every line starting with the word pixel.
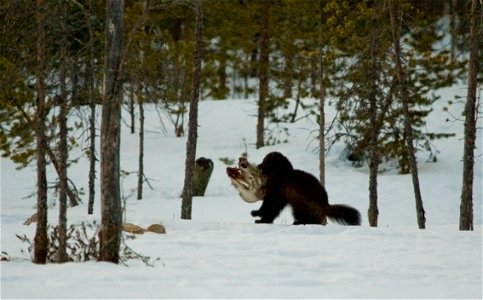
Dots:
pixel 221 253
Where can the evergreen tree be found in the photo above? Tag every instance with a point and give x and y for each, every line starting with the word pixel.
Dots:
pixel 395 12
pixel 425 71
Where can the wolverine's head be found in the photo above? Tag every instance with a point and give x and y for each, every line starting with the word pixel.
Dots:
pixel 275 164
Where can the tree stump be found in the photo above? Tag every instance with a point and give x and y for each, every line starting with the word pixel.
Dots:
pixel 203 170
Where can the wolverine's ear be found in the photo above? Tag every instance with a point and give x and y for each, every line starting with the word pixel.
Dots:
pixel 243 163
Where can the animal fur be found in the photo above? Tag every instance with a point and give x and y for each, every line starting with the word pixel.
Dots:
pixel 307 197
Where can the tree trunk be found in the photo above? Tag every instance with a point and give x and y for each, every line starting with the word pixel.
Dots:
pixel 373 211
pixel 111 214
pixel 63 152
pixel 453 31
pixel 141 143
pixel 131 111
pixel 288 78
pixel 466 207
pixel 41 239
pixel 222 90
pixel 193 117
pixel 320 74
pixel 92 121
pixel 263 72
pixel 400 76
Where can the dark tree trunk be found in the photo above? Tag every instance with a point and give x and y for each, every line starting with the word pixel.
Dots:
pixel 63 152
pixel 373 211
pixel 394 11
pixel 141 144
pixel 263 72
pixel 245 76
pixel 193 118
pixel 288 80
pixel 466 207
pixel 222 90
pixel 452 30
pixel 131 110
pixel 111 214
pixel 41 239
pixel 320 74
pixel 297 101
pixel 92 121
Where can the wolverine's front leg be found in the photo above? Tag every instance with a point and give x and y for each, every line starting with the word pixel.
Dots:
pixel 269 210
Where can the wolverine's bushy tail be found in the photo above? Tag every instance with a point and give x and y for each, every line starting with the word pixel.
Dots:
pixel 344 214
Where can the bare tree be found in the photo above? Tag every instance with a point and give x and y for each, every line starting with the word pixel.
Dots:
pixel 41 239
pixel 466 207
pixel 63 151
pixel 263 71
pixel 373 211
pixel 320 74
pixel 193 118
pixel 395 13
pixel 111 214
pixel 141 142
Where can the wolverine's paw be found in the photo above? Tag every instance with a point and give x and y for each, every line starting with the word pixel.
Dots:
pixel 263 221
pixel 256 213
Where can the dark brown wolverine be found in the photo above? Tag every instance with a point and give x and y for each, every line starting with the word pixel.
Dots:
pixel 285 185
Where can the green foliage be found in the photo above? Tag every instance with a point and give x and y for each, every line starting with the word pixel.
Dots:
pixel 227 161
pixel 158 59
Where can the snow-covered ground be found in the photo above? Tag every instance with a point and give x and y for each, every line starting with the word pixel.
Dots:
pixel 221 253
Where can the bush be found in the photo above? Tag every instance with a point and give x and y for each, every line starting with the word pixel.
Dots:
pixel 82 245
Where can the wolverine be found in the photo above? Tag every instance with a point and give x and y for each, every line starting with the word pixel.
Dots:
pixel 281 185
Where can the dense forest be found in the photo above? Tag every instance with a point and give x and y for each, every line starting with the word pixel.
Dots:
pixel 375 62
pixel 349 43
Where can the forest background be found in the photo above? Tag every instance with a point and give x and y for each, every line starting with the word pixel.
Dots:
pixel 346 43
